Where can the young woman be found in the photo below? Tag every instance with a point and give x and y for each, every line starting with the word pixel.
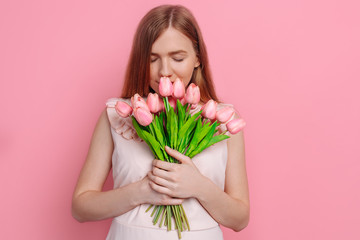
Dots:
pixel 212 186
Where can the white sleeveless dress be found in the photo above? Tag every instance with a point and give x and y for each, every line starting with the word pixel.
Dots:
pixel 132 160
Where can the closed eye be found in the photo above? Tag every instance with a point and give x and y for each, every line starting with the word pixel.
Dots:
pixel 178 59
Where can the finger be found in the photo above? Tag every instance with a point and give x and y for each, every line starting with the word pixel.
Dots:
pixel 160 189
pixel 160 181
pixel 177 155
pixel 167 200
pixel 163 165
pixel 168 175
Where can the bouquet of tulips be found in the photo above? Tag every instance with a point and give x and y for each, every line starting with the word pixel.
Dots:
pixel 168 122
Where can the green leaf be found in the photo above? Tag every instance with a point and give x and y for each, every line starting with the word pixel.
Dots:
pixel 195 138
pixel 155 145
pixel 202 145
pixel 157 131
pixel 166 104
pixel 138 129
pixel 189 125
pixel 174 127
pixel 181 113
pixel 189 137
pixel 142 134
pixel 168 128
pixel 162 118
pixel 204 131
pixel 217 139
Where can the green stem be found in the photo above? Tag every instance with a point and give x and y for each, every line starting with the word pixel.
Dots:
pixel 177 220
pixel 182 218
pixel 156 207
pixel 179 217
pixel 149 208
pixel 187 222
pixel 156 218
pixel 166 104
pixel 162 217
pixel 168 218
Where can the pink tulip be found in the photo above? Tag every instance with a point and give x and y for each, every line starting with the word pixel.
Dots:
pixel 172 102
pixel 193 106
pixel 192 95
pixel 183 101
pixel 235 125
pixel 137 101
pixel 165 87
pixel 179 89
pixel 143 116
pixel 209 109
pixel 123 109
pixel 153 102
pixel 224 115
pixel 162 106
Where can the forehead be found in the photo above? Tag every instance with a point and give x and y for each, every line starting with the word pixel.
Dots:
pixel 172 40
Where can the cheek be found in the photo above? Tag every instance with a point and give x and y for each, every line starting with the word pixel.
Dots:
pixel 153 77
pixel 154 85
pixel 185 73
pixel 152 70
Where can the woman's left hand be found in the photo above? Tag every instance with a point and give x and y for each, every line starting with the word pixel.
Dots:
pixel 176 180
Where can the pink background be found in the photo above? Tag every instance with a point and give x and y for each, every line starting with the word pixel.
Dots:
pixel 290 67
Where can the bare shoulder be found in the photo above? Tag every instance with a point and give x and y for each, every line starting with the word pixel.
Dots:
pixel 101 142
pixel 98 160
pixel 103 121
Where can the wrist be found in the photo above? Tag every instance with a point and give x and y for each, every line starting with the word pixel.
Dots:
pixel 137 197
pixel 141 191
pixel 205 185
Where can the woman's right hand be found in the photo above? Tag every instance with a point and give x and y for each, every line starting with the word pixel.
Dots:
pixel 152 197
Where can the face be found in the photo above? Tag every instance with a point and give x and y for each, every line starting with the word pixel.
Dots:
pixel 173 56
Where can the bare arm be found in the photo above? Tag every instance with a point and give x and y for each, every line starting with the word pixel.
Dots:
pixel 230 207
pixel 89 203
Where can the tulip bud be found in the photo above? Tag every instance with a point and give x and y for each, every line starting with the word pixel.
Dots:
pixel 235 125
pixel 123 109
pixel 139 102
pixel 162 106
pixel 172 102
pixel 165 87
pixel 179 89
pixel 209 109
pixel 183 101
pixel 192 95
pixel 224 115
pixel 153 102
pixel 193 106
pixel 143 116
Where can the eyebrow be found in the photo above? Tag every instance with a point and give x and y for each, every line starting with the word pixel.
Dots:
pixel 172 53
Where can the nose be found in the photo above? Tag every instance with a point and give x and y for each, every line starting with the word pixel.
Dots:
pixel 165 70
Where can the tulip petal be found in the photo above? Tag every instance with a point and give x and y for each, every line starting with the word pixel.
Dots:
pixel 179 89
pixel 143 116
pixel 209 109
pixel 123 109
pixel 153 102
pixel 165 87
pixel 235 125
pixel 192 95
pixel 225 114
